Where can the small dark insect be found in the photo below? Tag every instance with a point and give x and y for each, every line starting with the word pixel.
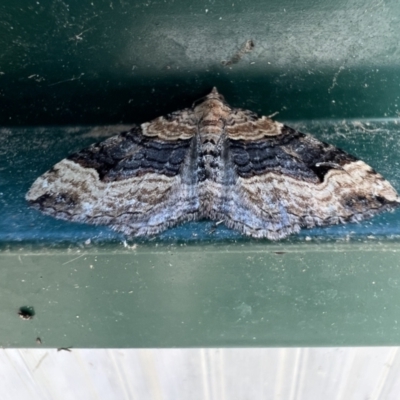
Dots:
pixel 246 47
pixel 64 349
pixel 26 312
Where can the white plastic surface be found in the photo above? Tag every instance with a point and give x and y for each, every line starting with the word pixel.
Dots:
pixel 206 374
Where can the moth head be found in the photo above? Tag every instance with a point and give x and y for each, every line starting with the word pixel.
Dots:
pixel 214 95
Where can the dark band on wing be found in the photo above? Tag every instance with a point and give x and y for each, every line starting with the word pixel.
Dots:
pixel 132 154
pixel 292 153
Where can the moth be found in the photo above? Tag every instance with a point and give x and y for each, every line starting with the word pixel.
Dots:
pixel 212 161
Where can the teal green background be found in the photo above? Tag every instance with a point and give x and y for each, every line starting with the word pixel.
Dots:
pixel 69 68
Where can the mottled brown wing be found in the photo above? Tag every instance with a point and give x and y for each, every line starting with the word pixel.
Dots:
pixel 137 184
pixel 287 180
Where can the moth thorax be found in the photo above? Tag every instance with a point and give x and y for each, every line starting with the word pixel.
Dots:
pixel 210 137
pixel 212 123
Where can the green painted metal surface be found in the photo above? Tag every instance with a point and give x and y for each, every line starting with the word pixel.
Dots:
pixel 220 295
pixel 330 67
